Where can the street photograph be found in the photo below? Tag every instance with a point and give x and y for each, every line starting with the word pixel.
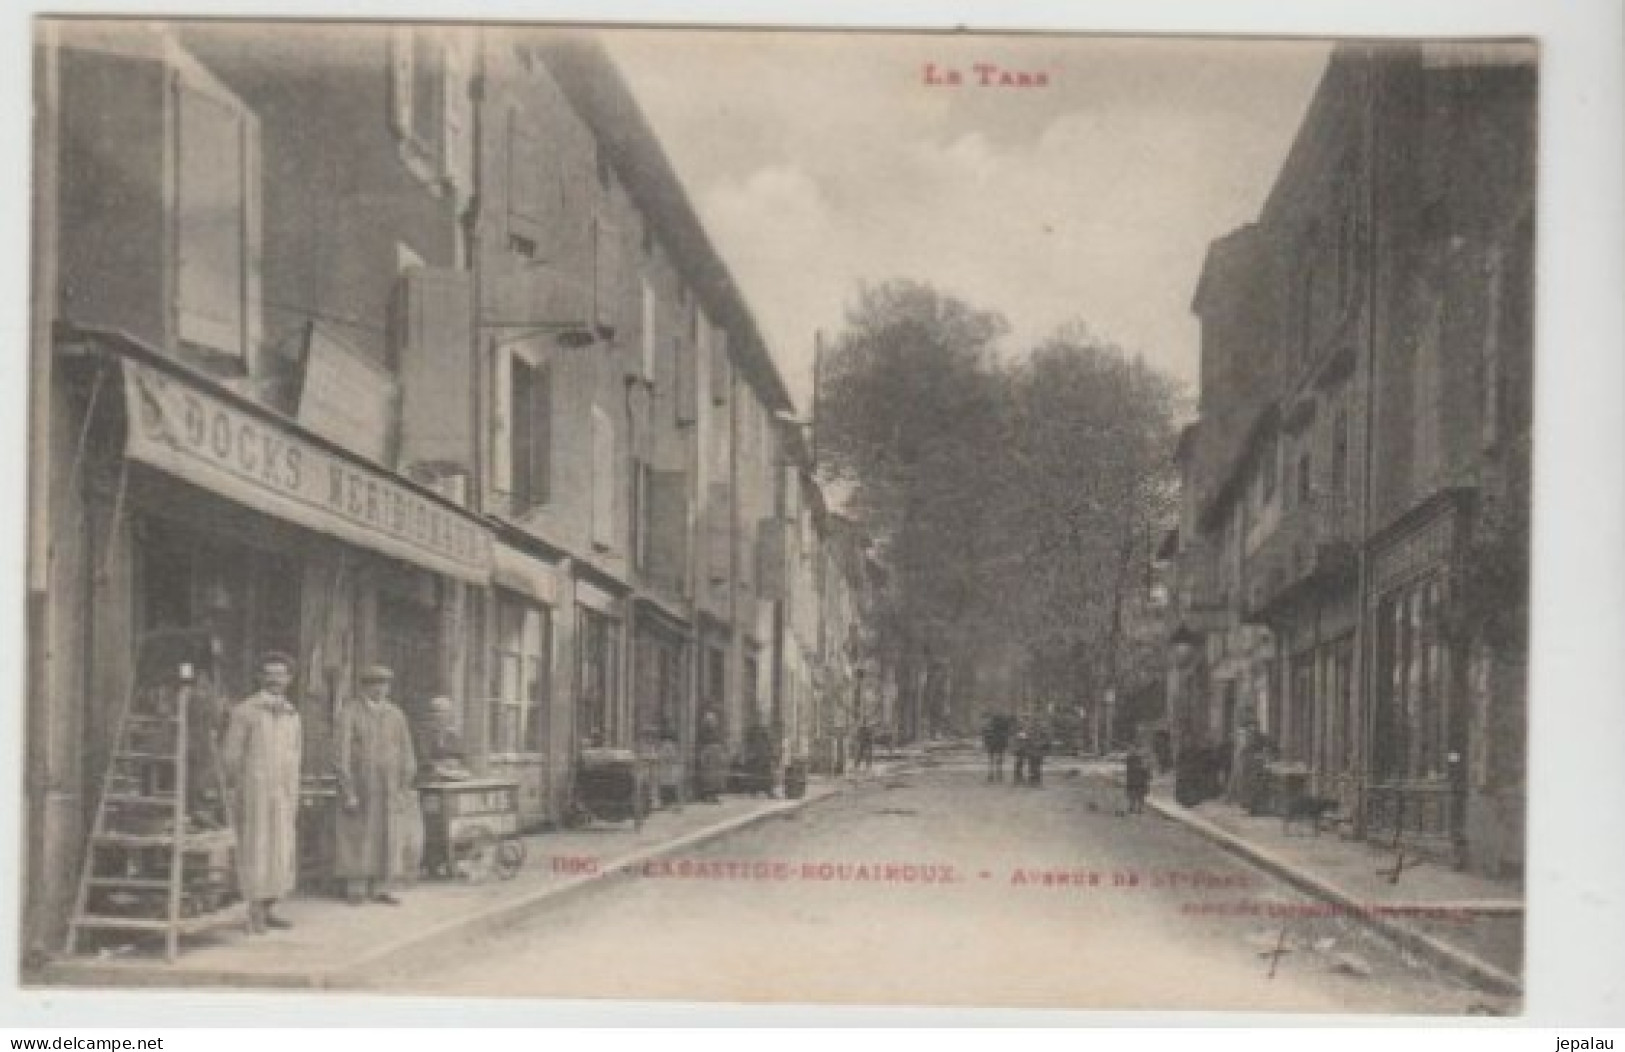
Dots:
pixel 1015 520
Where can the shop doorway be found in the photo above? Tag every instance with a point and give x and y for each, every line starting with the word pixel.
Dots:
pixel 246 600
pixel 409 643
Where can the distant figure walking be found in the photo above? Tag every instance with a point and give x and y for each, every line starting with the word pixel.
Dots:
pixel 996 741
pixel 713 758
pixel 1136 781
pixel 864 748
pixel 1031 742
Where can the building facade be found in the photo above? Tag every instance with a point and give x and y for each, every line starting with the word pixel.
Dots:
pixel 387 344
pixel 1353 542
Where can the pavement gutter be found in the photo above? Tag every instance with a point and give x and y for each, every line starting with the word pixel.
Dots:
pixel 507 914
pixel 87 973
pixel 1452 959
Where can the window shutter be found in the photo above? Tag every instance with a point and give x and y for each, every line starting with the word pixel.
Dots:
pixel 770 559
pixel 457 157
pixel 541 433
pixel 650 337
pixel 720 377
pixel 686 389
pixel 519 425
pixel 400 82
pixel 253 241
pixel 526 196
pixel 501 437
pixel 718 523
pixel 667 529
pixel 428 90
pixel 435 365
pixel 606 263
pixel 211 222
pixel 603 480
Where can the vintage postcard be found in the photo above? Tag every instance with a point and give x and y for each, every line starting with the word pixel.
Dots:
pixel 1023 520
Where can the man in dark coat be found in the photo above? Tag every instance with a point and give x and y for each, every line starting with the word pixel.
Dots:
pixel 379 819
pixel 864 752
pixel 995 740
pixel 713 757
pixel 1136 781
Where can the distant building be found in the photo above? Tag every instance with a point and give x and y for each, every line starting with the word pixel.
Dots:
pixel 1354 535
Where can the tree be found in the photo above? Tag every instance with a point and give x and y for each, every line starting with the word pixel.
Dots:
pixel 1094 485
pixel 910 417
pixel 1015 507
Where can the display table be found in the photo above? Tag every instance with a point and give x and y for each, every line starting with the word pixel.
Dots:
pixel 317 835
pixel 610 786
pixel 1284 782
pixel 471 828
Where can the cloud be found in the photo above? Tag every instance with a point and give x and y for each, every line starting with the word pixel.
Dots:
pixel 830 165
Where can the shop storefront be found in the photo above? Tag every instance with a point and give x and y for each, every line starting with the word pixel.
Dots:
pixel 659 676
pixel 207 514
pixel 600 719
pixel 521 716
pixel 1417 731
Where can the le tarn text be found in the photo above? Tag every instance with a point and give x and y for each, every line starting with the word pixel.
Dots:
pixel 983 75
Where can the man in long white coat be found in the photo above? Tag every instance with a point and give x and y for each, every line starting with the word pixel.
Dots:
pixel 260 758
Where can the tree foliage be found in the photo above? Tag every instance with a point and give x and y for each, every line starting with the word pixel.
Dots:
pixel 1015 506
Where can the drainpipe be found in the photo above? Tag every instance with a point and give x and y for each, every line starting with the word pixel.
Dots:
pixel 41 690
pixel 476 716
pixel 734 688
pixel 1363 626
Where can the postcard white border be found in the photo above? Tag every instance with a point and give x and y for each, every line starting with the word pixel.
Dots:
pixel 1576 968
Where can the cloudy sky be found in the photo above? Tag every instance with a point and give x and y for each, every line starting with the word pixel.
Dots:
pixel 818 161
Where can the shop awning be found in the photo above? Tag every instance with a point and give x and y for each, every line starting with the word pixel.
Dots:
pixel 208 439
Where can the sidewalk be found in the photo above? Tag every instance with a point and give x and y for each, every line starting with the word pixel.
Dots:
pixel 332 943
pixel 1468 925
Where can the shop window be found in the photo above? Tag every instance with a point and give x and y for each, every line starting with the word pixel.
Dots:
pixel 248 601
pixel 522 666
pixel 597 646
pixel 716 679
pixel 217 204
pixel 1413 713
pixel 1299 744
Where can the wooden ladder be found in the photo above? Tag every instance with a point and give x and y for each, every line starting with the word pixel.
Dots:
pixel 147 782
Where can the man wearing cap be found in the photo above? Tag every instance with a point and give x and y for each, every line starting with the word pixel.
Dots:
pixel 379 817
pixel 259 758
